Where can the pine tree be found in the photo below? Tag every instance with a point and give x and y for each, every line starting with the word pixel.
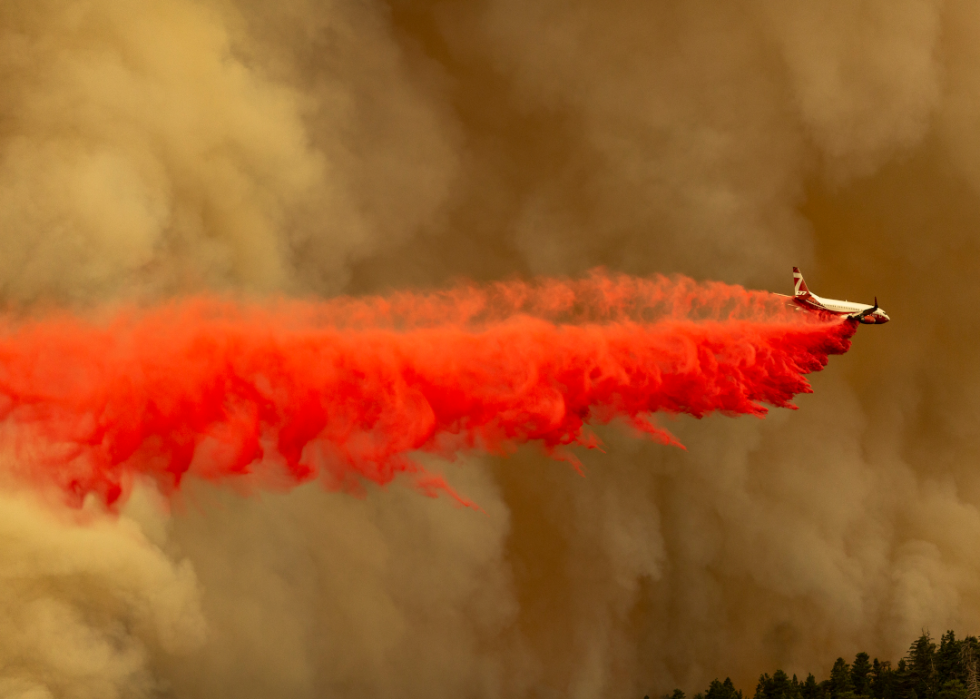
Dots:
pixel 949 661
pixel 923 678
pixel 951 676
pixel 861 674
pixel 779 686
pixel 841 686
pixel 722 690
pixel 970 655
pixel 882 680
pixel 810 689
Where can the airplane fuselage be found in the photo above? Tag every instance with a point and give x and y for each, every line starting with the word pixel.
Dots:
pixel 805 300
pixel 843 308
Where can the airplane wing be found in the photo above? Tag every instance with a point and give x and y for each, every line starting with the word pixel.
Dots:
pixel 866 312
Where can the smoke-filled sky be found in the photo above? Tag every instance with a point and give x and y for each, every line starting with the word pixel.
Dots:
pixel 306 149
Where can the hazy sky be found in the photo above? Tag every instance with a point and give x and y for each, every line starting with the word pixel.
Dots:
pixel 318 147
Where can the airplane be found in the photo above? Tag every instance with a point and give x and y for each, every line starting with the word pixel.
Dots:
pixel 804 300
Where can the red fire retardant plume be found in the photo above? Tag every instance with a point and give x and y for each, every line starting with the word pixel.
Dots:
pixel 348 390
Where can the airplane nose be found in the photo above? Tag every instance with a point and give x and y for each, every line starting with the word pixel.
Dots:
pixel 882 319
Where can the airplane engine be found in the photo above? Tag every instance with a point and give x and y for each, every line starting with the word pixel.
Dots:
pixel 869 320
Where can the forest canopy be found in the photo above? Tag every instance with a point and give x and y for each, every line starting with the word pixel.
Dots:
pixel 929 671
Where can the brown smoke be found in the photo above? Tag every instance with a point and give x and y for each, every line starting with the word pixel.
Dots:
pixel 315 147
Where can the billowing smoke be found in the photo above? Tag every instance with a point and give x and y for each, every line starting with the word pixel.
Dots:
pixel 238 147
pixel 88 599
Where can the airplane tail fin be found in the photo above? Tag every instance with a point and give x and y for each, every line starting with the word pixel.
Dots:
pixel 799 286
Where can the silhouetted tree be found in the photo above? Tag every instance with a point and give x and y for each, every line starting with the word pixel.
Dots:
pixel 969 657
pixel 779 686
pixel 949 663
pixel 840 684
pixel 882 680
pixel 861 674
pixel 922 675
pixel 722 690
pixel 810 689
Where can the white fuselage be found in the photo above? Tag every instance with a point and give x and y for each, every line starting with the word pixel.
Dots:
pixel 812 302
pixel 836 305
pixel 806 300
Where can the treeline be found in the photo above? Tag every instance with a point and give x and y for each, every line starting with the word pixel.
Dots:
pixel 929 671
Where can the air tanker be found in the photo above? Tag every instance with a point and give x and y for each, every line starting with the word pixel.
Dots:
pixel 861 312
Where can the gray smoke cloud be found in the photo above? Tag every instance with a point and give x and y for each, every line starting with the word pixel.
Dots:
pixel 309 147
